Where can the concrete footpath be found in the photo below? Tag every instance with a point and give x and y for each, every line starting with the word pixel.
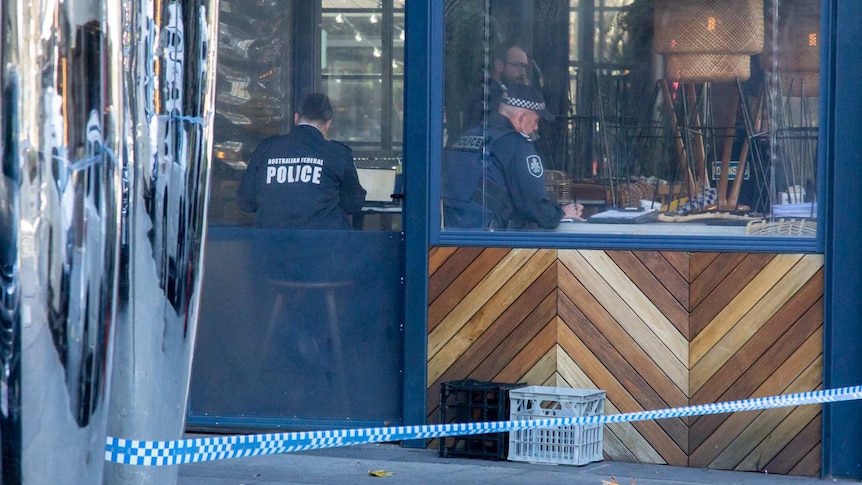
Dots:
pixel 352 464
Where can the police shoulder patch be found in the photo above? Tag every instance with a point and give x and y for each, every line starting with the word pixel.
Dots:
pixel 534 165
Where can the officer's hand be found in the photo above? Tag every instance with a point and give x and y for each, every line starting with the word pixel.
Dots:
pixel 573 211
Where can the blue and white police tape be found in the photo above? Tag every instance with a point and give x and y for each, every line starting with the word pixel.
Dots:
pixel 163 453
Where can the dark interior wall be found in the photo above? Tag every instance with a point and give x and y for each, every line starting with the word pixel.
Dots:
pixel 550 52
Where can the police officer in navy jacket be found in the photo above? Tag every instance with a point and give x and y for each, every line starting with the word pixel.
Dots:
pixel 301 180
pixel 492 177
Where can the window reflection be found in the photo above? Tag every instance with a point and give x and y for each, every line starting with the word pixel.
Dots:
pixel 699 111
pixel 362 71
pixel 253 94
pixel 362 68
pixel 269 55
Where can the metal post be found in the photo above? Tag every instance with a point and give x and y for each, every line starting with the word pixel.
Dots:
pixel 169 80
pixel 60 203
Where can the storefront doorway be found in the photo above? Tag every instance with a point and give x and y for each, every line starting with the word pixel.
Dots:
pixel 303 329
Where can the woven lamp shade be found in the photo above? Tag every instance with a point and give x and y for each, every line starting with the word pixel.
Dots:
pixel 793 44
pixel 708 26
pixel 698 68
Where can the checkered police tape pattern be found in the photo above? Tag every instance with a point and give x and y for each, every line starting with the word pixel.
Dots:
pixel 163 453
pixel 523 103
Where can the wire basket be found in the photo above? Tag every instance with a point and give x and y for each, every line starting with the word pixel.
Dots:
pixel 782 227
pixel 708 26
pixel 630 193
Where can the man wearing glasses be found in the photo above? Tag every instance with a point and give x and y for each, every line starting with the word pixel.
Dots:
pixel 510 66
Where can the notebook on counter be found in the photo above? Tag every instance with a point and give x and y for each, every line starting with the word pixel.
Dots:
pixel 625 216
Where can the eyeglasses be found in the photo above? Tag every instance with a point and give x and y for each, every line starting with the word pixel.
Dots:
pixel 518 65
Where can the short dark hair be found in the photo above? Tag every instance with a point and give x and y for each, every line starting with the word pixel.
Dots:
pixel 501 52
pixel 315 107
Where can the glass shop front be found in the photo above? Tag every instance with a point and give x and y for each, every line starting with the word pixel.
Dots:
pixel 695 120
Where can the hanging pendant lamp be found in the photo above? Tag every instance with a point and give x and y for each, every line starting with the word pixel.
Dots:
pixel 792 45
pixel 700 68
pixel 708 40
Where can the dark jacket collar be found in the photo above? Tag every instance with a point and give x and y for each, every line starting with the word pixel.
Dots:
pixel 310 130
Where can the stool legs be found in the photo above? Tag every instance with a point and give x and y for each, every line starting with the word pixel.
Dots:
pixel 339 390
pixel 338 350
pixel 270 331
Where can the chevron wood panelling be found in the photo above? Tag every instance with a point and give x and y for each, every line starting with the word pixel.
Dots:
pixel 654 330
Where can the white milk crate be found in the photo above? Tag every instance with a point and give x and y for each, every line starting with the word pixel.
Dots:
pixel 565 445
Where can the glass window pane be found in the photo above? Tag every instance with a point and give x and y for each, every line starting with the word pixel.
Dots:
pixel 253 95
pixel 363 49
pixel 356 56
pixel 356 109
pixel 351 43
pixel 336 4
pixel 666 112
pixel 397 110
pixel 610 38
pixel 362 71
pixel 397 118
pixel 573 35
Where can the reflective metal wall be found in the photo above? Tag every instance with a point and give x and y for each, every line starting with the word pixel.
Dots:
pixel 60 194
pixel 104 135
pixel 169 77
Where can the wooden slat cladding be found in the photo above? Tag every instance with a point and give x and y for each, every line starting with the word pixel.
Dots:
pixel 673 306
pixel 666 273
pixel 458 274
pixel 654 330
pixel 481 307
pixel 770 346
pixel 626 388
pixel 516 327
pixel 712 292
pixel 713 347
pixel 627 305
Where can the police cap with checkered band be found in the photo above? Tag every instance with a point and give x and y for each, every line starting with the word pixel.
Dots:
pixel 528 97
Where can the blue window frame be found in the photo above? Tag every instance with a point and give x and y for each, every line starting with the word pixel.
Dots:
pixel 841 147
pixel 663 237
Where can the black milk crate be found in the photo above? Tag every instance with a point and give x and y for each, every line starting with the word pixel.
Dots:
pixel 472 401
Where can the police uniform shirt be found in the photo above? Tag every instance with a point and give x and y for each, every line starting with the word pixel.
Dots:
pixel 461 173
pixel 301 181
pixel 521 169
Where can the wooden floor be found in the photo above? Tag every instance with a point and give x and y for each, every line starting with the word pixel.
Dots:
pixel 653 329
